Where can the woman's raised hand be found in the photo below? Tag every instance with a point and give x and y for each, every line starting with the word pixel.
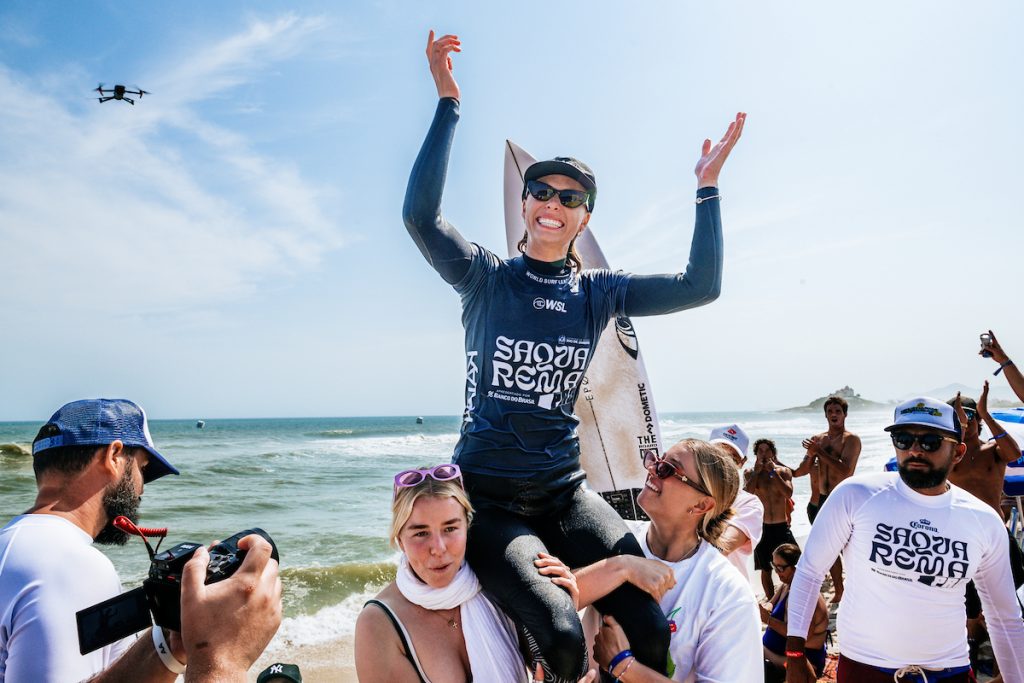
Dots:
pixel 712 158
pixel 440 59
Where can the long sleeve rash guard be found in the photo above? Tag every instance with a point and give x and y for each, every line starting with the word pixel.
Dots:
pixel 530 335
pixel 908 558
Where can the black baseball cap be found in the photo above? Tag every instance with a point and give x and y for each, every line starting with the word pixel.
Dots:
pixel 567 166
pixel 279 670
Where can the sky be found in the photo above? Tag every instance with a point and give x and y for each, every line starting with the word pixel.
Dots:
pixel 232 246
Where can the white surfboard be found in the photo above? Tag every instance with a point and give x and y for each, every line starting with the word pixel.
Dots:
pixel 618 422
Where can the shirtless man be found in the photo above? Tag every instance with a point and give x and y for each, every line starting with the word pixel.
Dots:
pixel 772 483
pixel 981 473
pixel 835 453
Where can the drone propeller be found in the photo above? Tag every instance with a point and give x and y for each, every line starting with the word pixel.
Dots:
pixel 99 88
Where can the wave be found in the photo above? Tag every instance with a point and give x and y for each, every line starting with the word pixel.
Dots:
pixel 14 449
pixel 312 589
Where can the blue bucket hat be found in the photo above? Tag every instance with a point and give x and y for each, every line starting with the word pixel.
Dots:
pixel 102 421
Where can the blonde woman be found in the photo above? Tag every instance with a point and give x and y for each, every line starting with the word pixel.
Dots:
pixel 711 609
pixel 432 623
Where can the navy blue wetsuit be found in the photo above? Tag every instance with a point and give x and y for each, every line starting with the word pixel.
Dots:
pixel 531 329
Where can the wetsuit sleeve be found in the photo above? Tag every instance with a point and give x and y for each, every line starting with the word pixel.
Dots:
pixel 700 284
pixel 830 533
pixel 994 582
pixel 440 243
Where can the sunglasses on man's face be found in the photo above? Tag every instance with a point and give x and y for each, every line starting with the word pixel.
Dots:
pixel 929 443
pixel 543 192
pixel 779 568
pixel 663 469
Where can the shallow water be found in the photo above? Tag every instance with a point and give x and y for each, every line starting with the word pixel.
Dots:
pixel 322 488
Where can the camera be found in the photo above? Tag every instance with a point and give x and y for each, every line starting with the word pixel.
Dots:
pixel 160 593
pixel 986 344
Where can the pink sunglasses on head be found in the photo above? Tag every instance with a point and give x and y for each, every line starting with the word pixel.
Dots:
pixel 409 478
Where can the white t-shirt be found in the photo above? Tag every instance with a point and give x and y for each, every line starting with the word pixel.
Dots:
pixel 908 558
pixel 717 630
pixel 49 570
pixel 748 517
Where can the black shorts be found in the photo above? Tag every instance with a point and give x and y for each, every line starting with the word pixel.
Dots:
pixel 812 508
pixel 772 536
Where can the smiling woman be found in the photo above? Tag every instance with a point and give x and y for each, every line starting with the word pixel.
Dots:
pixel 532 324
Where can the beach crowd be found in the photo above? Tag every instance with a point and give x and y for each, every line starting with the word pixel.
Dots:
pixel 511 568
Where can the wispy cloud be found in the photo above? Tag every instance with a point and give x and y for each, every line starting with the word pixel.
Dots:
pixel 156 206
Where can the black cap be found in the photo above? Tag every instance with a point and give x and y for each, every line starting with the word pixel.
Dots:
pixel 287 671
pixel 567 166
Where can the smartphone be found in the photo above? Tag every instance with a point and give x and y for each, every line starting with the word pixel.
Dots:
pixel 986 344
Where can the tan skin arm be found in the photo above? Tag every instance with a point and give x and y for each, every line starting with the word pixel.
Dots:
pixel 139 663
pixel 845 462
pixel 1012 373
pixel 599 579
pixel 1007 449
pixel 731 539
pixel 804 468
pixel 379 654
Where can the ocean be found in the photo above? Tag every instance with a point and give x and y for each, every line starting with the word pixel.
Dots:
pixel 321 487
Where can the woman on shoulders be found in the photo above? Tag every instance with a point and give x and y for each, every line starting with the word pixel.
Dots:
pixel 524 368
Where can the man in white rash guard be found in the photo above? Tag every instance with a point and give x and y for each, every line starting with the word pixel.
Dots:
pixel 745 526
pixel 910 543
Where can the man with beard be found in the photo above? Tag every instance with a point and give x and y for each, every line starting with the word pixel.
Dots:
pixel 910 543
pixel 91 461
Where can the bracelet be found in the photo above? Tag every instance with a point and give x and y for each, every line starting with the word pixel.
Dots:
pixel 163 650
pixel 795 653
pixel 617 659
pixel 701 200
pixel 619 677
pixel 998 436
pixel 1001 365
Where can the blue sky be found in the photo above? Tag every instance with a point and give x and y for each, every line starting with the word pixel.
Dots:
pixel 233 245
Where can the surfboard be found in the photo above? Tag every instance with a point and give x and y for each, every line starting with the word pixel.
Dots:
pixel 618 421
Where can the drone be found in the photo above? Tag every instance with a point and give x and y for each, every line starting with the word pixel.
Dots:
pixel 119 93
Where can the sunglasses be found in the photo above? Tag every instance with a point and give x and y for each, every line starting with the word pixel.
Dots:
pixel 779 568
pixel 663 469
pixel 543 192
pixel 408 478
pixel 929 443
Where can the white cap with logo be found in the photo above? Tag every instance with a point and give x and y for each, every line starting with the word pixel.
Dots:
pixel 731 435
pixel 926 412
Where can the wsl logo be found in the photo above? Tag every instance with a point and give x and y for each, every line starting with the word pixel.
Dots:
pixel 542 304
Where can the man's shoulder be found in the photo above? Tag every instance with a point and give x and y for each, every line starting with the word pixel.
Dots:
pixel 51 544
pixel 864 486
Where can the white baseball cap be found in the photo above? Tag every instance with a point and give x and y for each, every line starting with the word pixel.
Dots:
pixel 926 412
pixel 731 435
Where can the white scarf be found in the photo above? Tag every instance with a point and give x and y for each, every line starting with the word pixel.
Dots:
pixel 490 636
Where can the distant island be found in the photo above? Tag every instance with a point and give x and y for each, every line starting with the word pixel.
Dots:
pixel 858 403
pixel 852 397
